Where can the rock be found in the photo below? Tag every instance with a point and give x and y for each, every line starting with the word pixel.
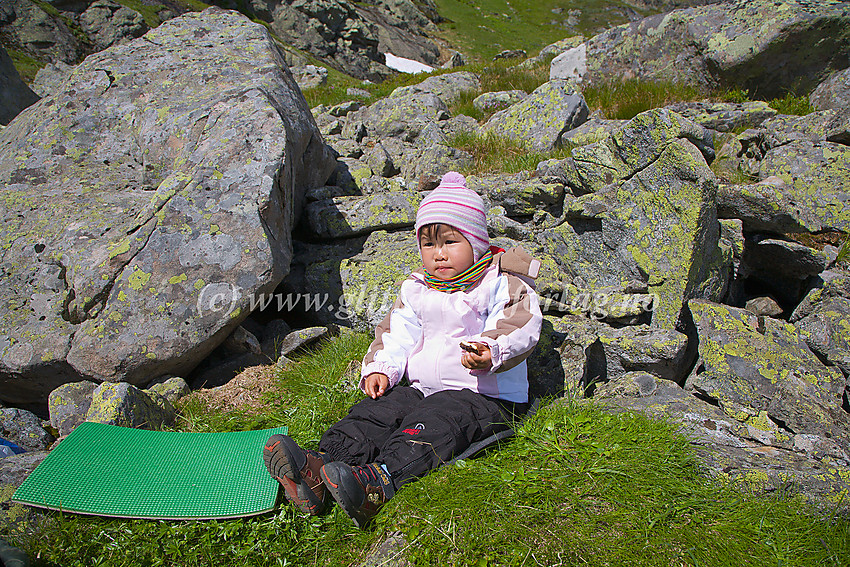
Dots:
pixel 510 54
pixel 41 33
pixel 335 32
pixel 570 64
pixel 124 405
pixel 770 205
pixel 424 169
pixel 751 364
pixel 834 92
pixel 449 87
pixel 819 174
pixel 389 553
pixel 592 131
pixel 345 108
pixel 543 117
pixel 15 95
pixel 756 455
pixel 499 224
pixel 782 265
pixel 49 78
pixel 241 341
pixel 555 49
pixel 764 306
pixel 630 349
pixel 552 50
pixel 725 116
pixel 359 93
pixel 495 101
pixel 380 161
pixel 561 363
pixel 68 405
pixel 350 216
pixel 520 195
pixel 302 338
pixel 823 320
pixel 146 278
pixel 631 148
pixel 456 59
pixel 654 221
pixel 838 128
pixel 107 22
pixel 310 76
pixel 172 388
pixel 24 429
pixel 273 335
pixel 636 384
pixel 369 288
pixel 724 44
pixel 403 114
pixel 15 469
pixel 403 29
pixel 315 275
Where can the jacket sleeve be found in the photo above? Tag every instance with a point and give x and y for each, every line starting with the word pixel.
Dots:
pixel 395 338
pixel 512 327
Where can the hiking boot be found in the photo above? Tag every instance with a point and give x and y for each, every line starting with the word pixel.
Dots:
pixel 298 471
pixel 359 490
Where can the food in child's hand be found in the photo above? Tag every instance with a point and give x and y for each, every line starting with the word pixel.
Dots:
pixel 469 347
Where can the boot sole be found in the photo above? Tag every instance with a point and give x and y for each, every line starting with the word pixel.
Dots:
pixel 345 490
pixel 280 455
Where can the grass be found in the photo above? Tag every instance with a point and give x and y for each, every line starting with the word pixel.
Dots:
pixel 27 66
pixel 792 104
pixel 623 100
pixel 497 154
pixel 844 252
pixel 484 28
pixel 576 485
pixel 150 12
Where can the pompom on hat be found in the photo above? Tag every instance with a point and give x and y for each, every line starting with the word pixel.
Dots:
pixel 452 203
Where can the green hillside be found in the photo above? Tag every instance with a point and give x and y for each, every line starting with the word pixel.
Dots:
pixel 484 28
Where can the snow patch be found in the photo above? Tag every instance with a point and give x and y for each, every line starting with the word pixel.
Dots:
pixel 406 65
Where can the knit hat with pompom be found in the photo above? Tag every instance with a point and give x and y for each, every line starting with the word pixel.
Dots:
pixel 452 203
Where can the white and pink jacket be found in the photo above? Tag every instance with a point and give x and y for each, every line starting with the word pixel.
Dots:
pixel 419 338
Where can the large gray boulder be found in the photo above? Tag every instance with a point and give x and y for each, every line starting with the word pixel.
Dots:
pixel 833 93
pixel 15 95
pixel 804 174
pixel 764 46
pixel 650 216
pixel 405 114
pixel 41 32
pixel 333 31
pixel 541 118
pixel 823 319
pixel 751 364
pixel 147 201
pixel 107 22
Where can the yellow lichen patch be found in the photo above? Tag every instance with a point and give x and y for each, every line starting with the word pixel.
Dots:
pixel 138 278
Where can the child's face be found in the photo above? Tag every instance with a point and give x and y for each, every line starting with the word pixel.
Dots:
pixel 445 251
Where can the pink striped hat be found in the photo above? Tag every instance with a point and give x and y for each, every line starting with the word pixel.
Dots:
pixel 452 203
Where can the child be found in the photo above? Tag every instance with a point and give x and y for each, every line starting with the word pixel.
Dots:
pixel 459 332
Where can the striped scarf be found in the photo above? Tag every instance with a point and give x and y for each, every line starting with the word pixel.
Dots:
pixel 465 279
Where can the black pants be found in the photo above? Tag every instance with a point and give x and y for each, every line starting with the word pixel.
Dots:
pixel 412 434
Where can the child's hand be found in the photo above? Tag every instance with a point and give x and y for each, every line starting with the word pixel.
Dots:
pixel 375 385
pixel 480 360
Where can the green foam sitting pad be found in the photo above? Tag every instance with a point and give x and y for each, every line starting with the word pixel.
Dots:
pixel 133 473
